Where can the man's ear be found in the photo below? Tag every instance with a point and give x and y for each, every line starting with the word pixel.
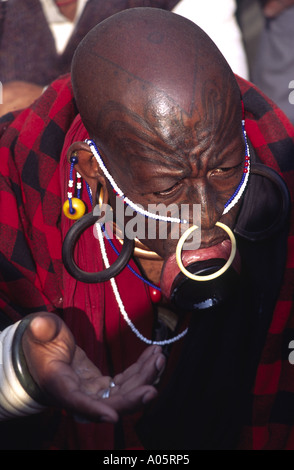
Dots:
pixel 87 166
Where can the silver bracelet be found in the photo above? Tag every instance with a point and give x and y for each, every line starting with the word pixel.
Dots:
pixel 17 395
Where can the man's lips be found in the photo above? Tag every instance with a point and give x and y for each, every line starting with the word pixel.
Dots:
pixel 171 268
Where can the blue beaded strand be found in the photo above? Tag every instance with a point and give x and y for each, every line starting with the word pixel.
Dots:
pixel 71 209
pixel 128 266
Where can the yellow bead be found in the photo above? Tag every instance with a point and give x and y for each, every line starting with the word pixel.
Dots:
pixel 78 206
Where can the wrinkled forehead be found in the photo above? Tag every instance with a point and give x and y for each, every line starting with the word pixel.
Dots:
pixel 163 133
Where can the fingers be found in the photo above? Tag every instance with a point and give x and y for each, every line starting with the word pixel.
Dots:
pixel 146 370
pixel 106 408
pixel 44 327
pixel 92 409
pixel 148 352
pixel 79 396
pixel 153 352
pixel 130 400
pixel 133 387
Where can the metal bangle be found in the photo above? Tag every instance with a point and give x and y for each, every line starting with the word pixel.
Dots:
pixel 20 365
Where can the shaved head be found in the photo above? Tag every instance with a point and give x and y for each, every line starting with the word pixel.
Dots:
pixel 150 62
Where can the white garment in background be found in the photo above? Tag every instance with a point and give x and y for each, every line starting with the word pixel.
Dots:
pixel 217 19
pixel 61 27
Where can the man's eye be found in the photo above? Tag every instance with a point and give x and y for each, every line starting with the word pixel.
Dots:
pixel 218 171
pixel 225 170
pixel 168 191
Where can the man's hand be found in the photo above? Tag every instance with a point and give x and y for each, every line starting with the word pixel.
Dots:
pixel 272 8
pixel 18 95
pixel 71 381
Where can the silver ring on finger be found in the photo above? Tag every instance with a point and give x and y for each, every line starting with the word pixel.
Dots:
pixel 106 393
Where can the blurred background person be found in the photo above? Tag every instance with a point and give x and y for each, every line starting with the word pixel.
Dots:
pixel 268 32
pixel 38 37
pixel 218 19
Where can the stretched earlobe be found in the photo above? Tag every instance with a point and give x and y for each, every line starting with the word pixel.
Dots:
pixel 89 277
pixel 266 206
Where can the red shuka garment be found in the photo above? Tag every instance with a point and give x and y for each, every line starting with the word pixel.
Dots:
pixel 33 186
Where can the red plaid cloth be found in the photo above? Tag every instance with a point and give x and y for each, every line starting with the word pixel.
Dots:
pixel 272 420
pixel 32 276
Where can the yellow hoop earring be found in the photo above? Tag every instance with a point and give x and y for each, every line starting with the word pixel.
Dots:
pixel 218 273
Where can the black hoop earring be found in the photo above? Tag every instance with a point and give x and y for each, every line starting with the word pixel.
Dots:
pixel 68 254
pixel 266 206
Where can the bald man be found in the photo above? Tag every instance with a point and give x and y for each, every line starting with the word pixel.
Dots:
pixel 161 122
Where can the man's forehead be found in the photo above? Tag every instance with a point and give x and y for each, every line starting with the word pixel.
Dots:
pixel 165 136
pixel 175 82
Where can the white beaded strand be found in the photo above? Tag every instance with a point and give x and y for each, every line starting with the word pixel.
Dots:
pixel 120 302
pixel 119 192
